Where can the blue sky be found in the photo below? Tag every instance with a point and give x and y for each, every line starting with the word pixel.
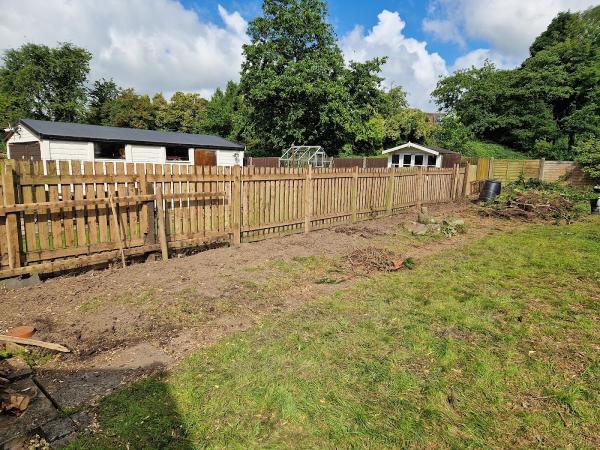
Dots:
pixel 196 45
pixel 345 15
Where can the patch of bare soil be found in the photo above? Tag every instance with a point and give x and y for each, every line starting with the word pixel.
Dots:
pixel 121 323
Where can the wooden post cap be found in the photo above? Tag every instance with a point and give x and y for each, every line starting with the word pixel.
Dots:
pixel 24 331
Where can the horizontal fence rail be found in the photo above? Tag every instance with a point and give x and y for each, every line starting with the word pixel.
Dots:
pixel 63 215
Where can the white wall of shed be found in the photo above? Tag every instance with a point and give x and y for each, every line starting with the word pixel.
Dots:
pixel 65 150
pixel 22 134
pixel 229 158
pixel 145 154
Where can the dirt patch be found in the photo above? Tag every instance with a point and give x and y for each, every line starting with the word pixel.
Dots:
pixel 168 309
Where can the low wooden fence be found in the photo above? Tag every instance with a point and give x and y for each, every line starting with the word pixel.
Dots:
pixel 65 215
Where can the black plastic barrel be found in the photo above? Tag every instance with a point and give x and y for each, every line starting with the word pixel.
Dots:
pixel 491 189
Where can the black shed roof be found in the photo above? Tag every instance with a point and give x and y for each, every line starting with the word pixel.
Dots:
pixel 77 131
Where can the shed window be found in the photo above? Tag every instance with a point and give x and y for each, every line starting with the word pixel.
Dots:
pixel 418 160
pixel 431 160
pixel 109 150
pixel 406 161
pixel 178 154
pixel 395 160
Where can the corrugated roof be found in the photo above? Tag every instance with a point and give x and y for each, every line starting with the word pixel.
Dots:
pixel 76 131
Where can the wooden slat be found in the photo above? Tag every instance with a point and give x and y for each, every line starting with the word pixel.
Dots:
pixel 23 168
pixel 42 217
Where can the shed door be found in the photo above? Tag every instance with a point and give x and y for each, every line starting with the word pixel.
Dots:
pixel 25 150
pixel 205 157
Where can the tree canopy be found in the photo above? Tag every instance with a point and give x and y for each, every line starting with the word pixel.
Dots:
pixel 296 87
pixel 44 83
pixel 545 105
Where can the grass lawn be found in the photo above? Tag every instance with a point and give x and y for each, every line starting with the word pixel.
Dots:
pixel 495 346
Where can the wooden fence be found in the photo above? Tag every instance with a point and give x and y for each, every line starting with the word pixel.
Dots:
pixel 507 170
pixel 65 215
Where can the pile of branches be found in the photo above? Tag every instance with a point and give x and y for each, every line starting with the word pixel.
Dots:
pixel 534 200
pixel 372 259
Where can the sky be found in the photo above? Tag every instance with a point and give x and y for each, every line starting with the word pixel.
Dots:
pixel 196 45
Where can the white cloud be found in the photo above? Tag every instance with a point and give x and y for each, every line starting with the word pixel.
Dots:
pixel 477 57
pixel 509 26
pixel 151 45
pixel 409 64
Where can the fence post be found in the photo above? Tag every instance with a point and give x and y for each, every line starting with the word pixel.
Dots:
pixel 162 232
pixel 13 239
pixel 147 210
pixel 491 169
pixel 466 181
pixel 307 199
pixel 354 193
pixel 541 170
pixel 454 181
pixel 364 162
pixel 419 187
pixel 236 205
pixel 390 192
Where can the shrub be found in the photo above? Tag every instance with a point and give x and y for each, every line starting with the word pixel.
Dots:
pixel 588 155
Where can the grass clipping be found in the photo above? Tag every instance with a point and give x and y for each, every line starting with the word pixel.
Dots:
pixel 534 200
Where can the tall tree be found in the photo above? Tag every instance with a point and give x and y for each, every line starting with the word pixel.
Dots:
pixel 44 83
pixel 185 112
pixel 100 98
pixel 224 114
pixel 544 105
pixel 293 79
pixel 132 110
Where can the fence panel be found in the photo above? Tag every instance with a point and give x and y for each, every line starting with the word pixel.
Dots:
pixel 68 214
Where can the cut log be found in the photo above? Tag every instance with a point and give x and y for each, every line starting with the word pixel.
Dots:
pixel 35 343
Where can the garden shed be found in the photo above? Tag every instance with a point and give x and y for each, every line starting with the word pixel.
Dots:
pixel 417 155
pixel 45 140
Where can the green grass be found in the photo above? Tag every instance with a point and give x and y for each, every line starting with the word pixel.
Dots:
pixel 492 346
pixel 482 149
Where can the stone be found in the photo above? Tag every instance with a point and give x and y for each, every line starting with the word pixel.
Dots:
pixel 417 229
pixel 58 428
pixel 39 411
pixel 21 282
pixel 14 368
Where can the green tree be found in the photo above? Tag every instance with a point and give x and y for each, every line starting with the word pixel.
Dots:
pixel 131 110
pixel 407 124
pixel 100 98
pixel 44 83
pixel 394 100
pixel 185 112
pixel 452 134
pixel 295 86
pixel 587 152
pixel 291 77
pixel 224 113
pixel 543 105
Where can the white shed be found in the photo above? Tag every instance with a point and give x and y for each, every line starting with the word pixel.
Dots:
pixel 44 140
pixel 411 155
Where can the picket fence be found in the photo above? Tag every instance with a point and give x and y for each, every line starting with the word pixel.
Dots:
pixel 56 216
